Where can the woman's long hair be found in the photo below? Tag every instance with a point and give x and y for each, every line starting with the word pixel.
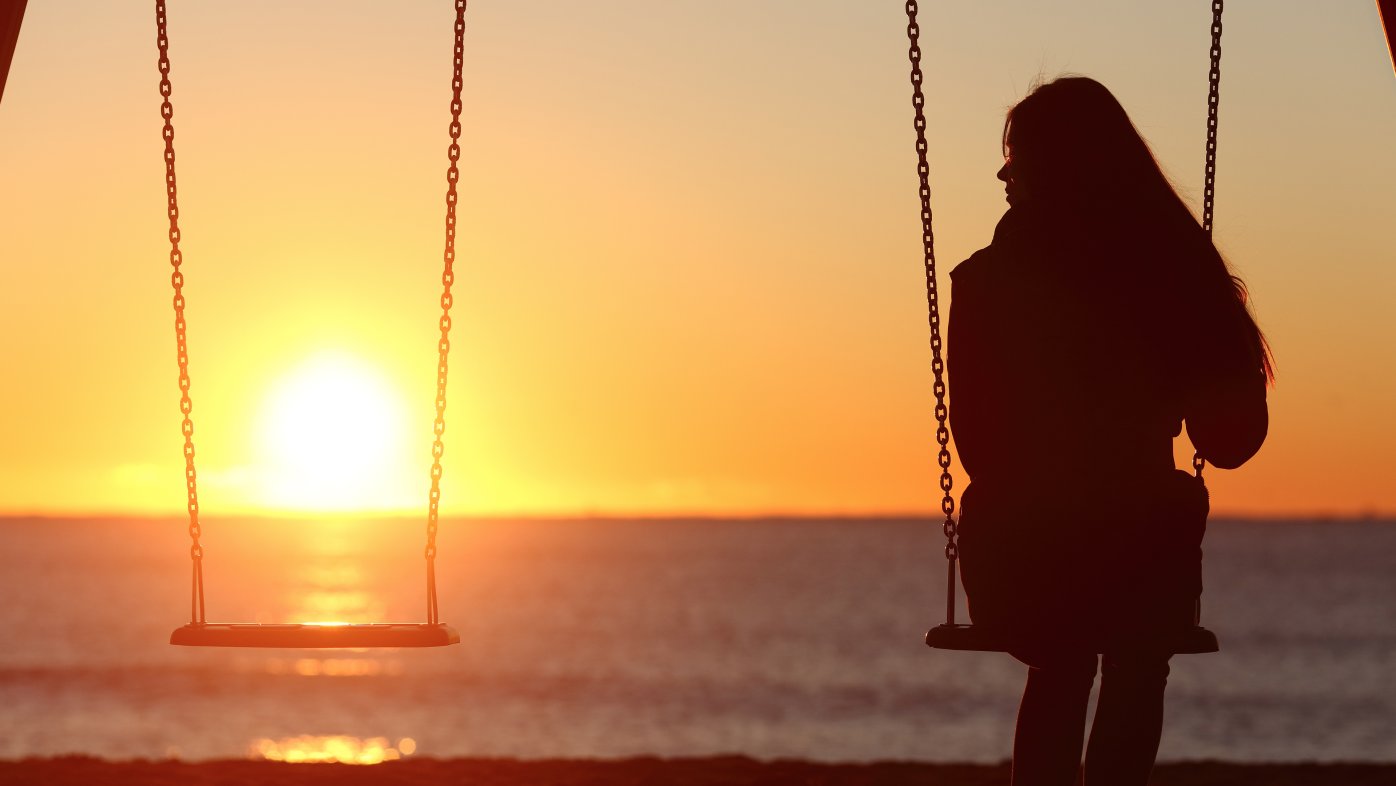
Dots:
pixel 1076 152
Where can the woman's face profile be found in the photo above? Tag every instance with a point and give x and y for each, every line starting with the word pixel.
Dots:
pixel 1013 185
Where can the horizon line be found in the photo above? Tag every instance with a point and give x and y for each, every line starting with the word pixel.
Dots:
pixel 611 515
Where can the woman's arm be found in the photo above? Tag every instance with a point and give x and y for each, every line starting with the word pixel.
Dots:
pixel 969 357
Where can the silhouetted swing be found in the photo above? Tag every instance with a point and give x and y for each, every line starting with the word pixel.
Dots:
pixel 201 633
pixel 952 636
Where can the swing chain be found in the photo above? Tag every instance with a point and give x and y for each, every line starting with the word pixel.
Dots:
pixel 1209 178
pixel 186 405
pixel 448 277
pixel 923 170
pixel 1209 185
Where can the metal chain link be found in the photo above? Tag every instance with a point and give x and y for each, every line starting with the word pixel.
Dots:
pixel 448 277
pixel 942 413
pixel 186 405
pixel 1209 176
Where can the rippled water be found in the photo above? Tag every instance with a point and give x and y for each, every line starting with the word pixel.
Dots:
pixel 784 638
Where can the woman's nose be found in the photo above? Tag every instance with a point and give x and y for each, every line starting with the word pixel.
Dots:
pixel 1003 172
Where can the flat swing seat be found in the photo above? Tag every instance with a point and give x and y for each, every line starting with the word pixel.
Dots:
pixel 315 635
pixel 977 638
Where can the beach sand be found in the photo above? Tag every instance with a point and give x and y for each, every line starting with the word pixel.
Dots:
pixel 728 771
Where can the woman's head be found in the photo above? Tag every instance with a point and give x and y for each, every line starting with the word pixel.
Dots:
pixel 1071 150
pixel 1071 143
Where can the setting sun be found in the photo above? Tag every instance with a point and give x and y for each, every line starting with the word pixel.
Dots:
pixel 333 436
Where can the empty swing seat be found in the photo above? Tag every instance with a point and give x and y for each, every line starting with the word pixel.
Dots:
pixel 314 635
pixel 331 635
pixel 978 638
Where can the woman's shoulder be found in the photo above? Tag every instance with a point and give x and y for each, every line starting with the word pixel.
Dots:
pixel 979 265
pixel 1020 236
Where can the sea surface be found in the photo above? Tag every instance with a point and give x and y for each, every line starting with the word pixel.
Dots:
pixel 605 638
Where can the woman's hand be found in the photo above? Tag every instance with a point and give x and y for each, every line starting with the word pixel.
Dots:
pixel 1227 422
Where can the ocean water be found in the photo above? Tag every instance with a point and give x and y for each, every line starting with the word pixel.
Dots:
pixel 587 638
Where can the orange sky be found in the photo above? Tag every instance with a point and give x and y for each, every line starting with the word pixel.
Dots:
pixel 689 277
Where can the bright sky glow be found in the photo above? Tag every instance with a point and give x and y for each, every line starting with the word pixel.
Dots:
pixel 689 275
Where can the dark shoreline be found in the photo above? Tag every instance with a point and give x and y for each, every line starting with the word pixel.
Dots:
pixel 726 770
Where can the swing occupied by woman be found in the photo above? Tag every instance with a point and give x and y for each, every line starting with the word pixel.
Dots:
pixel 1099 321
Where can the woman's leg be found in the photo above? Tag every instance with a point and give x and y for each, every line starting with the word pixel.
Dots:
pixel 1128 720
pixel 1052 719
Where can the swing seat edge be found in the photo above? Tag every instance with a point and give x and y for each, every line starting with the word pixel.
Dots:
pixel 314 636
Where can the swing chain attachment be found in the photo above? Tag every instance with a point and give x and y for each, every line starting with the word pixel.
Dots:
pixel 186 405
pixel 1209 175
pixel 448 277
pixel 942 412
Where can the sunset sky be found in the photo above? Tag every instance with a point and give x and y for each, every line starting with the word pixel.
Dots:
pixel 689 277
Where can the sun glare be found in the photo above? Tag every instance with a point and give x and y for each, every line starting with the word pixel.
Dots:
pixel 311 749
pixel 333 437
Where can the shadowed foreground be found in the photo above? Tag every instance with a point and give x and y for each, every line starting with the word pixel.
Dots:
pixel 729 771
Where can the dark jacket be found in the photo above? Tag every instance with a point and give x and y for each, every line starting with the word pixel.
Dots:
pixel 1074 358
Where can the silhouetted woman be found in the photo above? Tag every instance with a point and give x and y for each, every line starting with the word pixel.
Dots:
pixel 1099 320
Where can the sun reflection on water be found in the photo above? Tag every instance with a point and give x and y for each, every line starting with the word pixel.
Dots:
pixel 339 605
pixel 337 574
pixel 333 667
pixel 336 583
pixel 339 749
